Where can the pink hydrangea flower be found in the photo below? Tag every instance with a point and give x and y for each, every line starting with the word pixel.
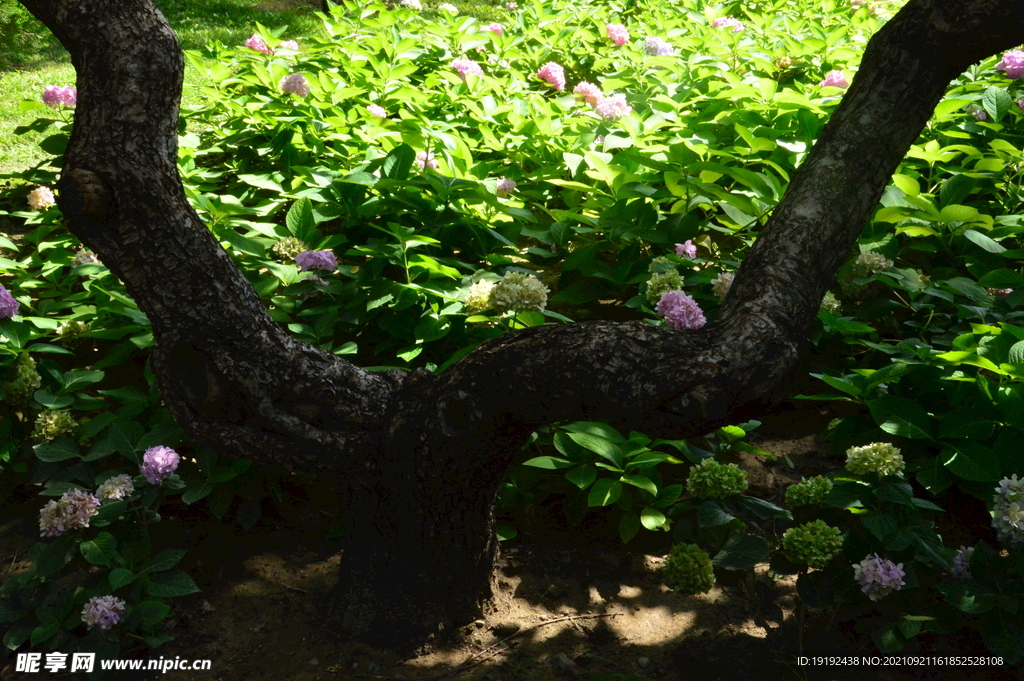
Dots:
pixel 553 74
pixel 686 249
pixel 617 33
pixel 316 260
pixel 8 305
pixel 834 79
pixel 588 92
pixel 1012 63
pixel 376 110
pixel 425 159
pixel 289 45
pixel 496 29
pixel 612 107
pixel 158 463
pixel 41 197
pixel 728 22
pixel 103 612
pixel 680 310
pixel 466 67
pixel 256 43
pixel 295 84
pixel 57 95
pixel 72 511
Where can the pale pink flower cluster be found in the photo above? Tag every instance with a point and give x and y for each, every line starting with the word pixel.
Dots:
pixel 617 33
pixel 289 45
pixel 612 107
pixel 103 612
pixel 1012 63
pixel 256 43
pixel 728 22
pixel 588 92
pixel 721 284
pixel 687 249
pixel 57 95
pixel 466 67
pixel 412 4
pixel 553 74
pixel 41 197
pixel 834 79
pixel 376 110
pixel 425 159
pixel 72 511
pixel 505 186
pixel 295 84
pixel 680 310
pixel 496 29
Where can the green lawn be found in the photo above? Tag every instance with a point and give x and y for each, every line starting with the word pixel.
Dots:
pixel 30 58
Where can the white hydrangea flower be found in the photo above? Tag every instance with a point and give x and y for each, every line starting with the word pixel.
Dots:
pixel 721 284
pixel 479 297
pixel 878 457
pixel 115 489
pixel 518 291
pixel 830 303
pixel 1008 511
pixel 871 263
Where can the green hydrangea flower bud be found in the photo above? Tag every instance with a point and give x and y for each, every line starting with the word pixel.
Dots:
pixel 830 303
pixel 25 381
pixel 661 283
pixel 286 249
pixel 479 297
pixel 52 424
pixel 519 292
pixel 808 492
pixel 814 543
pixel 688 570
pixel 878 457
pixel 712 480
pixel 69 332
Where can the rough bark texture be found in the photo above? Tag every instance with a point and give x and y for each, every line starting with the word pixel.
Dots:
pixel 419 456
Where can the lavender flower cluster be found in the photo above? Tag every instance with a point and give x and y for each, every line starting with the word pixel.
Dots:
pixel 878 577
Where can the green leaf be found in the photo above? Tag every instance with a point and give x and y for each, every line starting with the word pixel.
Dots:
pixel 171 585
pixel 710 514
pixel 61 449
pixel 629 525
pixel 44 633
pixel 742 552
pixel 196 492
pixel 17 635
pixel 984 241
pixel 652 519
pixel 74 380
pixel 300 220
pixel 165 560
pixel 505 531
pixel 549 462
pixel 761 508
pixel 996 101
pixel 398 163
pixel 52 558
pixel 582 476
pixel 900 416
pixel 51 401
pixel 879 525
pixel 120 577
pixel 600 446
pixel 100 550
pixel 152 612
pixel 604 492
pixel 972 461
pixel 642 482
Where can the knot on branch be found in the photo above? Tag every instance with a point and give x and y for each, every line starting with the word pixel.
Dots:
pixel 83 194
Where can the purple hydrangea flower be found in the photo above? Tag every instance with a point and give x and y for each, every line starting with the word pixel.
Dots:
pixel 158 463
pixel 102 611
pixel 295 84
pixel 425 159
pixel 466 67
pixel 316 260
pixel 962 563
pixel 687 249
pixel 505 186
pixel 1012 64
pixel 878 577
pixel 680 310
pixel 8 305
pixel 658 47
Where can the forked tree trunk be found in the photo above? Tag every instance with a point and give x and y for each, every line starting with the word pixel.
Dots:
pixel 419 456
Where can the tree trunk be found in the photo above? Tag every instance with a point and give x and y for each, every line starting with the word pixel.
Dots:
pixel 419 456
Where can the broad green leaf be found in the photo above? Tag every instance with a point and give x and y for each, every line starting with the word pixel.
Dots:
pixel 642 482
pixel 652 518
pixel 604 492
pixel 582 476
pixel 742 552
pixel 549 462
pixel 171 585
pixel 629 525
pixel 972 461
pixel 900 416
pixel 120 577
pixel 996 101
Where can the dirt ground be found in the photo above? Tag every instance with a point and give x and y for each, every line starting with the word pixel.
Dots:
pixel 571 605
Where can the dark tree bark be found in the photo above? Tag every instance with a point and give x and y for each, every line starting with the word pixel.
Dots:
pixel 419 456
